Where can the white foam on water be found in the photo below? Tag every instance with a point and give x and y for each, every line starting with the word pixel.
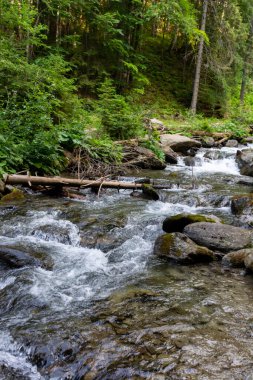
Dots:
pixel 226 165
pixel 13 357
pixel 70 278
pixel 46 225
pixel 6 282
pixel 167 209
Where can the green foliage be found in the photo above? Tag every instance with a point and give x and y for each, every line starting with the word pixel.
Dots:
pixel 117 117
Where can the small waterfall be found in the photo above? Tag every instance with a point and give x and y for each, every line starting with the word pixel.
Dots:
pixel 210 161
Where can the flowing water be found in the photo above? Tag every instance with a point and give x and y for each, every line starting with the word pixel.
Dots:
pixel 101 306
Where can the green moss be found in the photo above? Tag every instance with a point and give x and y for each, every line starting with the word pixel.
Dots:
pixel 177 223
pixel 15 195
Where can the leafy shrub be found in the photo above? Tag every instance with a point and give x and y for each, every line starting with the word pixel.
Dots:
pixel 117 117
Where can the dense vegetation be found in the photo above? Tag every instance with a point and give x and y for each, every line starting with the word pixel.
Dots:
pixel 80 74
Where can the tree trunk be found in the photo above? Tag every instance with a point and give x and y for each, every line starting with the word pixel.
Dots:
pixel 195 93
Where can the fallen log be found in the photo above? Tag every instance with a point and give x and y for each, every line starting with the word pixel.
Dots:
pixel 30 181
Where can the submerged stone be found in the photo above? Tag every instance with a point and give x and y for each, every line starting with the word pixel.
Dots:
pixel 17 259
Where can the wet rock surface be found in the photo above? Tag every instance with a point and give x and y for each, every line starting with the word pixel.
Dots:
pixel 219 237
pixel 177 246
pixel 242 204
pixel 244 159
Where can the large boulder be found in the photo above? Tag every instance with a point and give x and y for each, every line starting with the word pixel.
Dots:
pixel 142 157
pixel 236 258
pixel 178 143
pixel 171 157
pixel 220 237
pixel 177 223
pixel 244 159
pixel 242 204
pixel 177 246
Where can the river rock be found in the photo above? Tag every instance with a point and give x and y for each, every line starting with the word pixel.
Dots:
pixel 248 261
pixel 14 195
pixel 231 143
pixel 177 223
pixel 244 159
pixel 242 204
pixel 171 157
pixel 237 258
pixel 208 141
pixel 178 143
pixel 177 246
pixel 17 259
pixel 192 161
pixel 142 157
pixel 220 237
pixel 214 155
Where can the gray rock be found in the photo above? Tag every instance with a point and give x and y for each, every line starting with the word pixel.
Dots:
pixel 237 258
pixel 244 159
pixel 208 141
pixel 178 143
pixel 220 237
pixel 171 157
pixel 177 223
pixel 143 158
pixel 192 161
pixel 232 144
pixel 214 155
pixel 177 246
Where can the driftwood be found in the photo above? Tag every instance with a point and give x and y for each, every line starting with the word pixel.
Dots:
pixel 34 181
pixel 29 181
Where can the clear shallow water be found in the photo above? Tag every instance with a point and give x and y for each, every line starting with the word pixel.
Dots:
pixel 102 307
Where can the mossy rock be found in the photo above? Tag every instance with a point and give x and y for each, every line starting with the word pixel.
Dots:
pixel 177 223
pixel 178 247
pixel 150 193
pixel 15 195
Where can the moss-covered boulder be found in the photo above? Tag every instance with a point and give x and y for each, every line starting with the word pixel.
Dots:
pixel 177 223
pixel 15 195
pixel 177 246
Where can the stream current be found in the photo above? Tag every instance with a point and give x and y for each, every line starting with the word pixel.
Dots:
pixel 101 306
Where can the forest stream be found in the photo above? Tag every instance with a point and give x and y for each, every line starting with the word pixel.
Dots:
pixel 104 307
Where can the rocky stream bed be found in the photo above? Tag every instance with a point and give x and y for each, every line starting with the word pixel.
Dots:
pixel 95 303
